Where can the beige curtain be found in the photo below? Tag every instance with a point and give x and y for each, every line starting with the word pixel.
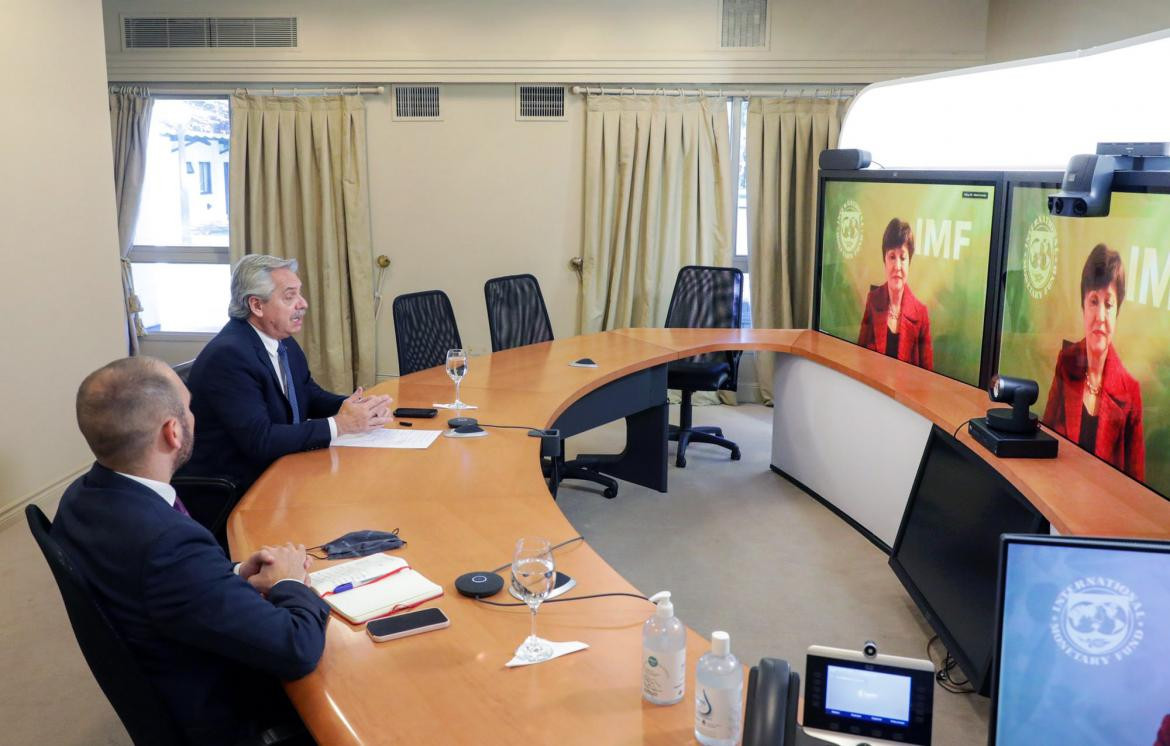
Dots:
pixel 785 137
pixel 130 128
pixel 658 196
pixel 299 190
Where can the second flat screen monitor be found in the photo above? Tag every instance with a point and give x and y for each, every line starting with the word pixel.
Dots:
pixel 904 266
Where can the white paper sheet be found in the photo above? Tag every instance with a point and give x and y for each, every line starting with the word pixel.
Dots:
pixel 559 649
pixel 389 438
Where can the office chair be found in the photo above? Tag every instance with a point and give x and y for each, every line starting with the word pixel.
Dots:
pixel 132 695
pixel 704 298
pixel 183 370
pixel 424 329
pixel 517 316
pixel 516 312
pixel 209 500
pixel 117 672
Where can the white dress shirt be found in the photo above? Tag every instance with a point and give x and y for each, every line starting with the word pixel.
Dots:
pixel 272 346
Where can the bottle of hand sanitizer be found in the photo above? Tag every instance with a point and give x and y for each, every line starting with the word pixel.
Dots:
pixel 664 654
pixel 718 694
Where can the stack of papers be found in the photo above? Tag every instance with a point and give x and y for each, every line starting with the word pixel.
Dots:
pixel 387 438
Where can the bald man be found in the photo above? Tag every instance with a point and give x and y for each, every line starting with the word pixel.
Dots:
pixel 212 637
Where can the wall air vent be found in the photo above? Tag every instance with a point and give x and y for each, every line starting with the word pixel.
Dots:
pixel 745 24
pixel 159 32
pixel 543 103
pixel 416 102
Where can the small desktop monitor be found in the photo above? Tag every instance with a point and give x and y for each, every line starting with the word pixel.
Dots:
pixel 947 551
pixel 1083 642
pixel 906 263
pixel 1087 316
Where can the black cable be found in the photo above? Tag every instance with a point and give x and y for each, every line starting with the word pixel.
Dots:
pixel 943 671
pixel 960 427
pixel 560 600
pixel 578 537
pixel 512 427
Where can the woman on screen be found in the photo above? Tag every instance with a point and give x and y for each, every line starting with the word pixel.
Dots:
pixel 1093 400
pixel 894 322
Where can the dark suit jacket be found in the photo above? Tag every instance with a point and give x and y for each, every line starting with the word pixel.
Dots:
pixel 914 345
pixel 1120 439
pixel 243 421
pixel 202 634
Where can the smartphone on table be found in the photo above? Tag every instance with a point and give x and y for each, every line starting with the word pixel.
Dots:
pixel 404 625
pixel 421 413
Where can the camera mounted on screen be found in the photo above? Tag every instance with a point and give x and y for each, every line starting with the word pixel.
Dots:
pixel 1087 185
pixel 1015 432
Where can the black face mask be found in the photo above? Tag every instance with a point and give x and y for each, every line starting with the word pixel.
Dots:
pixel 358 544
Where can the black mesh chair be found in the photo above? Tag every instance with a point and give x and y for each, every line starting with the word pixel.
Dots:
pixel 118 674
pixel 210 501
pixel 183 370
pixel 424 329
pixel 704 298
pixel 517 316
pixel 516 312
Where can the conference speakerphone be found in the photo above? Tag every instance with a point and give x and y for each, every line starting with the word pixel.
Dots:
pixel 854 697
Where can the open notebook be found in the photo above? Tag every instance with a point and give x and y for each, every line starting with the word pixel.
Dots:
pixel 381 585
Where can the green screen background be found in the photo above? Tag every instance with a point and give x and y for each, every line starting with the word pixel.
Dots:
pixel 1035 328
pixel 953 291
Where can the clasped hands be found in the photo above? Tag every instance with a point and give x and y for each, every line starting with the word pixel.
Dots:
pixel 360 413
pixel 270 565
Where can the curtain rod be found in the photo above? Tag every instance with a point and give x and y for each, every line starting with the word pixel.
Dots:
pixel 270 90
pixel 827 91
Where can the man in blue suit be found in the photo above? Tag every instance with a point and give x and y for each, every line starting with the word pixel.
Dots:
pixel 253 397
pixel 213 638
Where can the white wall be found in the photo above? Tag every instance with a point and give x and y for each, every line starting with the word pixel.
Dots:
pixel 1017 29
pixel 811 41
pixel 60 312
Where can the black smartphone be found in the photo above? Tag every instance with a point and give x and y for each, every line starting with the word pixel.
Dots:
pixel 415 412
pixel 413 623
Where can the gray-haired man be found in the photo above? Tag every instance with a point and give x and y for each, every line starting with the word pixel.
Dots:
pixel 253 397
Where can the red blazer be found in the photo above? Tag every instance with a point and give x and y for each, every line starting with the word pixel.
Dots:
pixel 1164 733
pixel 1119 408
pixel 914 344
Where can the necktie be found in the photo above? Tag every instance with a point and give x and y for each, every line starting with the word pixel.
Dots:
pixel 290 390
pixel 179 506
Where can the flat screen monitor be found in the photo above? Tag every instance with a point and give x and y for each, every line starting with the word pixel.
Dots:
pixel 1083 643
pixel 903 263
pixel 947 550
pixel 1087 315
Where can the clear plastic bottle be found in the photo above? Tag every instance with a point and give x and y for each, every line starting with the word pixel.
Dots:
pixel 718 694
pixel 664 654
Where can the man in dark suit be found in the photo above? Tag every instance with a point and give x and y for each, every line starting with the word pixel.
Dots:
pixel 213 638
pixel 253 397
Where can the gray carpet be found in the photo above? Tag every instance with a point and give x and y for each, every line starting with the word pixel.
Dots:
pixel 743 550
pixel 740 548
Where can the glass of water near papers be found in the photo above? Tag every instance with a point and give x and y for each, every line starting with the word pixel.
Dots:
pixel 456 370
pixel 533 574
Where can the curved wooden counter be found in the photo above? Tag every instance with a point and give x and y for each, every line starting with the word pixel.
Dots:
pixel 460 504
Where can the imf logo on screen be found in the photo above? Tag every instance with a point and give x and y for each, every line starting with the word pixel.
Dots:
pixel 1097 621
pixel 1041 250
pixel 849 229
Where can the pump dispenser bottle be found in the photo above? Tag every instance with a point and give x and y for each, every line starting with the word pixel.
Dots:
pixel 664 654
pixel 718 694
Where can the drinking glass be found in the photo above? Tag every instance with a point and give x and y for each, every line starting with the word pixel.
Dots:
pixel 456 369
pixel 533 575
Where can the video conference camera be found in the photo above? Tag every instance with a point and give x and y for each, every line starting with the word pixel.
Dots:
pixel 1087 185
pixel 1015 432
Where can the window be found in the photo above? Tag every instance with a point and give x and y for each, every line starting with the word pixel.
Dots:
pixel 737 120
pixel 180 253
pixel 205 177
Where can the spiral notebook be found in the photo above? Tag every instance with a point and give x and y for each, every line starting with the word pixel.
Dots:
pixel 373 586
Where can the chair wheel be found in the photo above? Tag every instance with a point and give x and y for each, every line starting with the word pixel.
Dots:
pixel 735 455
pixel 610 493
pixel 680 462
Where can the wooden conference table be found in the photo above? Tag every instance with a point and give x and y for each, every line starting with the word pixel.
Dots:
pixel 461 504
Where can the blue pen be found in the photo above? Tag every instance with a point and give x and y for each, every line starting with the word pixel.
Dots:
pixel 358 584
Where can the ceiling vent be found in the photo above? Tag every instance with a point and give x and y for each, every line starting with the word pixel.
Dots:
pixel 416 102
pixel 156 32
pixel 745 24
pixel 540 103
